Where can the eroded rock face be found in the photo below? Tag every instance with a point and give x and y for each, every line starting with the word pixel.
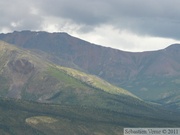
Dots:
pixel 19 71
pixel 22 66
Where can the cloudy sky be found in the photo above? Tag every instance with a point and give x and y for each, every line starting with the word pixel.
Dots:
pixel 132 25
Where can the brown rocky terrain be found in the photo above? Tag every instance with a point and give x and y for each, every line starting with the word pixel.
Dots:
pixel 150 75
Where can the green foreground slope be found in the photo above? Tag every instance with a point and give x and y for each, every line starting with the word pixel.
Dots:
pixel 20 117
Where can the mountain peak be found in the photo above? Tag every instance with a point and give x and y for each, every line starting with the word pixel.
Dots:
pixel 37 32
pixel 173 47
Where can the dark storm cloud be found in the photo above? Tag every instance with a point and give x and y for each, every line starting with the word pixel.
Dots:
pixel 156 17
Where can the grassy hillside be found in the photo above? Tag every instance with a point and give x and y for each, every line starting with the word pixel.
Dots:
pixel 20 117
pixel 96 82
pixel 29 77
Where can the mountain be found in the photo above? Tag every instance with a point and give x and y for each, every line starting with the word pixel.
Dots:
pixel 24 75
pixel 40 97
pixel 149 75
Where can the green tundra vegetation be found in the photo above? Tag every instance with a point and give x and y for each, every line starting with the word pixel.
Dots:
pixel 19 117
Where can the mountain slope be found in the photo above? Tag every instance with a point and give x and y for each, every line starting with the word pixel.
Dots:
pixel 149 75
pixel 26 76
pixel 96 82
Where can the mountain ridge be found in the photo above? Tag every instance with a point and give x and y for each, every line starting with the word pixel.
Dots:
pixel 149 75
pixel 65 34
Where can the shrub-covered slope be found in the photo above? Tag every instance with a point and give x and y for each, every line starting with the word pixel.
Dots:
pixel 18 117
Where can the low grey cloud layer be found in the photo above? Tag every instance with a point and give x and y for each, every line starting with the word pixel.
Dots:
pixel 157 18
